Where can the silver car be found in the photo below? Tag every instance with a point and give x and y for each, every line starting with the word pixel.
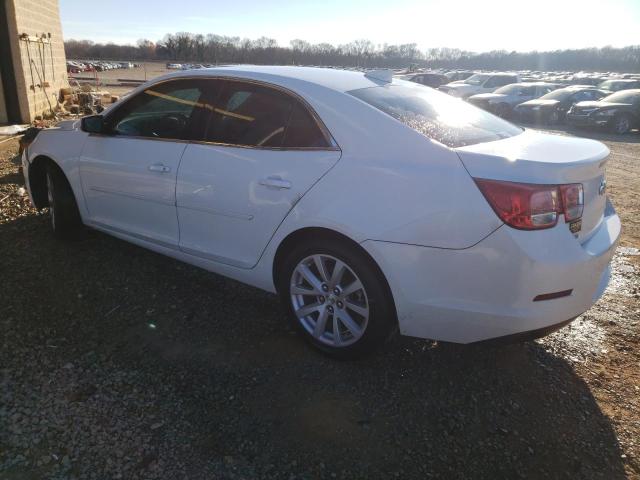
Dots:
pixel 503 100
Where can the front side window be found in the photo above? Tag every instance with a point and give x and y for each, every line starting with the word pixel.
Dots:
pixel 247 114
pixel 437 115
pixel 161 111
pixel 499 81
pixel 477 79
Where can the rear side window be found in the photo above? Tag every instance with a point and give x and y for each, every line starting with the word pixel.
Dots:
pixel 437 115
pixel 162 111
pixel 247 114
pixel 303 131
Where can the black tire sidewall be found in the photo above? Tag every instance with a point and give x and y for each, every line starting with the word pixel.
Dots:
pixel 381 311
pixel 67 217
pixel 615 124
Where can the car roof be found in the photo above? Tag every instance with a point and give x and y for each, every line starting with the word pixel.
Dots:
pixel 334 79
pixel 634 91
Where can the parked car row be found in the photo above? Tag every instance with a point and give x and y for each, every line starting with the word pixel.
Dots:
pixel 188 66
pixel 76 66
pixel 618 112
pixel 606 101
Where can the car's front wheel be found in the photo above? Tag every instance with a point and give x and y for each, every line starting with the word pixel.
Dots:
pixel 63 210
pixel 621 124
pixel 337 298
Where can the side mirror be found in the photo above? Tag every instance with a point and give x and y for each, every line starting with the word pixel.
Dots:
pixel 92 124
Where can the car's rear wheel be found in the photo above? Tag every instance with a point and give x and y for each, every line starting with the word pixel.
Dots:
pixel 621 124
pixel 503 110
pixel 63 209
pixel 553 118
pixel 337 299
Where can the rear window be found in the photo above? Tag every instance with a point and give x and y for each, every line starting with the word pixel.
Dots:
pixel 436 115
pixel 625 96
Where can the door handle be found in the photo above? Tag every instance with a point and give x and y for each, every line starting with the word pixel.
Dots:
pixel 275 182
pixel 158 167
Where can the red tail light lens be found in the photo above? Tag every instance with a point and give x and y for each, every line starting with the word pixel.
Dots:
pixel 531 206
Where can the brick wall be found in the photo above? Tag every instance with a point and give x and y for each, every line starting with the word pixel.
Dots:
pixel 37 64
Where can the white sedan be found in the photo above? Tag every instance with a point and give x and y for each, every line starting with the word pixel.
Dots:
pixel 369 204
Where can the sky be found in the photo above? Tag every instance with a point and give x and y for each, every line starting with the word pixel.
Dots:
pixel 474 25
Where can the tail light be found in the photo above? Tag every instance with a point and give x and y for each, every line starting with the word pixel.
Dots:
pixel 529 206
pixel 572 201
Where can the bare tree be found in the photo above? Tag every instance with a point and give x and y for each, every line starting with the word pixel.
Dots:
pixel 212 48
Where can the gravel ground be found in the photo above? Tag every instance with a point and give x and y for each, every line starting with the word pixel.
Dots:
pixel 120 363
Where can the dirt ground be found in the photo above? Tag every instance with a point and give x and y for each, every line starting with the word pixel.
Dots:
pixel 120 363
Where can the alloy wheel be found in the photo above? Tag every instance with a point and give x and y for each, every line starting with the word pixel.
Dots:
pixel 329 300
pixel 622 125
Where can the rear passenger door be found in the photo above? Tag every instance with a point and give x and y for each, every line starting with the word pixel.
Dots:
pixel 263 148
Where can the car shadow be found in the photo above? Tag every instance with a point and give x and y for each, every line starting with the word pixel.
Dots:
pixel 219 364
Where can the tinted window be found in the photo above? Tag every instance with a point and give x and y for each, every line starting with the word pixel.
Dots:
pixel 583 96
pixel 625 96
pixel 161 111
pixel 437 115
pixel 561 94
pixel 477 79
pixel 512 89
pixel 247 114
pixel 499 81
pixel 302 130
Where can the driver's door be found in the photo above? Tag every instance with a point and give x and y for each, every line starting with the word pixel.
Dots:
pixel 128 172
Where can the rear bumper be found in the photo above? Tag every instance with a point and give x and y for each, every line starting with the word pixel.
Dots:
pixel 487 291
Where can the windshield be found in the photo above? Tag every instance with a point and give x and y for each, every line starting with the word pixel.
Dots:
pixel 476 79
pixel 625 96
pixel 509 90
pixel 613 85
pixel 561 94
pixel 436 115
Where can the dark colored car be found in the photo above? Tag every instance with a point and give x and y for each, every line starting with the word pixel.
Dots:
pixel 552 108
pixel 433 80
pixel 504 99
pixel 619 84
pixel 618 112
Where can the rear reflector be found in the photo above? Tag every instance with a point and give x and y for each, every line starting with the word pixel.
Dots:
pixel 551 296
pixel 528 206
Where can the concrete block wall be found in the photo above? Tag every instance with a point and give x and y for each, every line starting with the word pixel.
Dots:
pixel 37 64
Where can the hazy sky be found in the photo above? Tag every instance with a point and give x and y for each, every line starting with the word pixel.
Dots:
pixel 475 25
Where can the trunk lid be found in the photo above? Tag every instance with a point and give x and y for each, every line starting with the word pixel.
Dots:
pixel 534 157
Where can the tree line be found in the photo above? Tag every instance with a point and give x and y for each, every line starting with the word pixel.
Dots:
pixel 217 49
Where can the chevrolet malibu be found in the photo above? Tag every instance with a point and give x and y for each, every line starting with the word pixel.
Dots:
pixel 369 204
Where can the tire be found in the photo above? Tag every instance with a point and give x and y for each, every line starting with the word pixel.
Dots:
pixel 363 313
pixel 503 110
pixel 63 209
pixel 621 124
pixel 553 118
